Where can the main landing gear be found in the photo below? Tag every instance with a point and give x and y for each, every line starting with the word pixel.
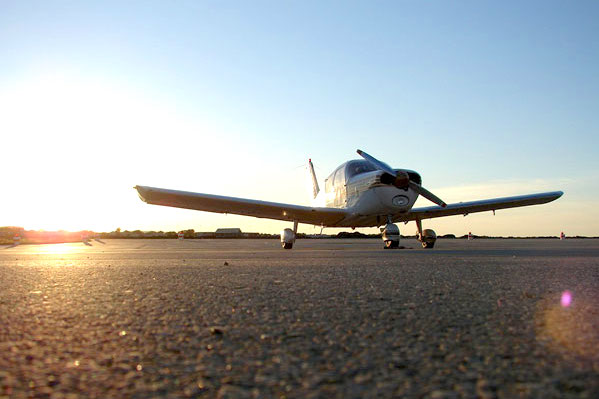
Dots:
pixel 427 237
pixel 288 236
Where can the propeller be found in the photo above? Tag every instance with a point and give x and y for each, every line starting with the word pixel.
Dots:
pixel 401 179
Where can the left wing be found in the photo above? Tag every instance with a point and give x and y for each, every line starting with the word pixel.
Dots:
pixel 240 206
pixel 464 208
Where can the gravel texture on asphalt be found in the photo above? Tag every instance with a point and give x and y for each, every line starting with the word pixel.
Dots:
pixel 330 318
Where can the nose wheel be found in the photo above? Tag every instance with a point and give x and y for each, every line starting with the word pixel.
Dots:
pixel 390 236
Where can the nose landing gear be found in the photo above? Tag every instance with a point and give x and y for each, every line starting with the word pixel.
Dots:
pixel 390 235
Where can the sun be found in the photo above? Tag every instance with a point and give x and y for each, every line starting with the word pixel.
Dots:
pixel 63 137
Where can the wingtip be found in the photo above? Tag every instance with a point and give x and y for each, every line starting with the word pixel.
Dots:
pixel 141 193
pixel 555 194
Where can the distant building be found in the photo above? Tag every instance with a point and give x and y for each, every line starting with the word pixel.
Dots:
pixel 228 233
pixel 232 233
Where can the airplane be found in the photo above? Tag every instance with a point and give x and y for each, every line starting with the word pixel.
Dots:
pixel 359 193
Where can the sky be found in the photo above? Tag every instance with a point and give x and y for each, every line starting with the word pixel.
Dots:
pixel 484 99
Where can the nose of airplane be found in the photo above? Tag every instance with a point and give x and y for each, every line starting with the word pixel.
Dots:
pixel 393 198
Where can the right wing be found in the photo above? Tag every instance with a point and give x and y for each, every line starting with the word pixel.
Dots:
pixel 240 206
pixel 464 208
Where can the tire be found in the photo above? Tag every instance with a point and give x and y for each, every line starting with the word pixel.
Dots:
pixel 287 245
pixel 428 245
pixel 389 244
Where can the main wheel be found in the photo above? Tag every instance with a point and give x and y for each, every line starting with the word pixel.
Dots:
pixel 287 245
pixel 390 244
pixel 428 245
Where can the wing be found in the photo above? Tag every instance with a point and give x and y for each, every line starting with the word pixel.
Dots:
pixel 464 208
pixel 240 206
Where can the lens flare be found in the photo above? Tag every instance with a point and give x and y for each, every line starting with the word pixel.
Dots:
pixel 566 300
pixel 569 327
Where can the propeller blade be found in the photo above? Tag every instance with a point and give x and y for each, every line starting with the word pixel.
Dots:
pixel 376 163
pixel 427 194
pixel 414 186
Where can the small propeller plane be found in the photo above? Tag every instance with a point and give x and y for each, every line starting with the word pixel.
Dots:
pixel 359 193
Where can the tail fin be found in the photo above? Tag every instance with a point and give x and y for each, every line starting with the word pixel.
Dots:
pixel 315 187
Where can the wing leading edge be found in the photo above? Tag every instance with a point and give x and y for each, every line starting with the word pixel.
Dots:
pixel 464 208
pixel 240 206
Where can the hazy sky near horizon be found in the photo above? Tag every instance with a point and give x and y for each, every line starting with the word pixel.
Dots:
pixel 484 99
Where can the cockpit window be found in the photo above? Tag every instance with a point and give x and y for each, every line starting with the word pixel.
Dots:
pixel 358 167
pixel 339 178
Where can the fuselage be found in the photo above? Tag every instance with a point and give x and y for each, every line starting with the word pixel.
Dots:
pixel 356 186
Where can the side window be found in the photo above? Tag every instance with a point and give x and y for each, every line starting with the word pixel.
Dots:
pixel 339 178
pixel 328 184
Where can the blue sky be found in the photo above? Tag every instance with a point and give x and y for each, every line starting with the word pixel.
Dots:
pixel 484 99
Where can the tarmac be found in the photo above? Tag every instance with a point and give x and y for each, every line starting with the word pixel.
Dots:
pixel 329 318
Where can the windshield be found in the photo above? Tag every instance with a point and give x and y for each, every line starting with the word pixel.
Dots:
pixel 358 167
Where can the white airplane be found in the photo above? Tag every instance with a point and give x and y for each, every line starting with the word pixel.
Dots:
pixel 359 193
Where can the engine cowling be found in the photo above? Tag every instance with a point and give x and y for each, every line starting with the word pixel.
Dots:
pixel 401 180
pixel 287 238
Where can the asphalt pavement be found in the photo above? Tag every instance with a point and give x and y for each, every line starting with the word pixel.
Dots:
pixel 329 318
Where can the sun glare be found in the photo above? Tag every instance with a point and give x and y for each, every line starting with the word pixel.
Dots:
pixel 77 146
pixel 56 249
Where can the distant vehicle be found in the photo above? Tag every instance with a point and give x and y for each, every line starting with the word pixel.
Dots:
pixel 359 193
